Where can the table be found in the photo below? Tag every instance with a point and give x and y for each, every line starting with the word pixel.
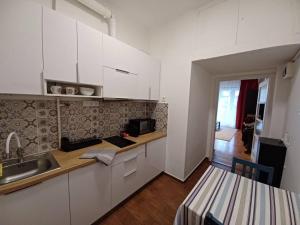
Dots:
pixel 233 199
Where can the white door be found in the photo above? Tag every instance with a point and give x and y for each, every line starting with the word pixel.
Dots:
pixel 21 62
pixel 89 55
pixel 90 193
pixel 119 84
pixel 46 203
pixel 59 46
pixel 155 158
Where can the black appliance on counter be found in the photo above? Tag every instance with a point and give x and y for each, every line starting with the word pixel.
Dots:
pixel 119 141
pixel 137 127
pixel 68 146
pixel 271 152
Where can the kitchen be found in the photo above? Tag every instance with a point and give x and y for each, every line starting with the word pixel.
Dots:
pixel 68 70
pixel 89 123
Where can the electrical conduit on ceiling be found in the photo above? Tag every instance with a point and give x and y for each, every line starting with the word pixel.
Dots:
pixel 101 10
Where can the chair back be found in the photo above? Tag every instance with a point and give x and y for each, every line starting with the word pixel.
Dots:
pixel 211 220
pixel 254 171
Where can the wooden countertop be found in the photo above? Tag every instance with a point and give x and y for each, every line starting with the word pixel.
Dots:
pixel 69 161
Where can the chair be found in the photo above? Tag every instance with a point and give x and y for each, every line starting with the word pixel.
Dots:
pixel 211 220
pixel 256 171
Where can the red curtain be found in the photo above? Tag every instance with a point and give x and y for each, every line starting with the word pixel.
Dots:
pixel 246 86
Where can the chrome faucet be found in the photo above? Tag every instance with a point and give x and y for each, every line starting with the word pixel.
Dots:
pixel 20 152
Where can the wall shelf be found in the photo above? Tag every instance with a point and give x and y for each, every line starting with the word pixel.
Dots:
pixel 48 83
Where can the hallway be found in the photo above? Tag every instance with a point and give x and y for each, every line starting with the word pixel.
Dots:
pixel 225 150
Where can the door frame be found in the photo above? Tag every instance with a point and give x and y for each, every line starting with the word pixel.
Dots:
pixel 270 74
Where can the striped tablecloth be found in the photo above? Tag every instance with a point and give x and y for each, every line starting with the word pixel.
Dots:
pixel 233 199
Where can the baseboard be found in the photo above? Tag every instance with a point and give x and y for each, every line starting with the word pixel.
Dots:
pixel 183 180
pixel 192 171
pixel 173 176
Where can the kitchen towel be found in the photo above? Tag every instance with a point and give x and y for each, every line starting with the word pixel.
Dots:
pixel 105 156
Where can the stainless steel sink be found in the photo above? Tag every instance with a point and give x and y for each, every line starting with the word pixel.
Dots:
pixel 32 165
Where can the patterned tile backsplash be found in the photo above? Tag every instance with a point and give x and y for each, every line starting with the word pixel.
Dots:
pixel 35 121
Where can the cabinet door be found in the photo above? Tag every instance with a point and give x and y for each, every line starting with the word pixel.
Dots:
pixel 155 158
pixel 148 77
pixel 21 62
pixel 154 79
pixel 119 55
pixel 119 84
pixel 90 193
pixel 128 174
pixel 265 22
pixel 89 55
pixel 46 203
pixel 59 46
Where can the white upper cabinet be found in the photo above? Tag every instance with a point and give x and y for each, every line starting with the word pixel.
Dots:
pixel 89 55
pixel 119 84
pixel 21 62
pixel 154 73
pixel 59 46
pixel 149 78
pixel 266 22
pixel 90 193
pixel 119 55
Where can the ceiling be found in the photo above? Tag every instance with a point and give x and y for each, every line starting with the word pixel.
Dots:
pixel 153 13
pixel 262 59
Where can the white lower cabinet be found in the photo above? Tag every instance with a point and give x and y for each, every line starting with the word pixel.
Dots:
pixel 127 174
pixel 90 193
pixel 155 158
pixel 46 203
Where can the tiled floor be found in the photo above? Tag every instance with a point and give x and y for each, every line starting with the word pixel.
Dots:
pixel 225 150
pixel 156 203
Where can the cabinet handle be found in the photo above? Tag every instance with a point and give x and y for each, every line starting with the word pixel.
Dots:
pixel 149 93
pixel 130 158
pixel 122 71
pixel 77 72
pixel 130 173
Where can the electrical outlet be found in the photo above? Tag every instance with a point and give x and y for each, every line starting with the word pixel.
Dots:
pixel 90 104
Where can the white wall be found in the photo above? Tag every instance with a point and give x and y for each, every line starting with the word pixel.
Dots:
pixel 173 46
pixel 225 27
pixel 291 175
pixel 200 89
pixel 128 31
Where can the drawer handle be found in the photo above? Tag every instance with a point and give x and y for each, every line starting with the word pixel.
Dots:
pixel 130 158
pixel 122 71
pixel 130 173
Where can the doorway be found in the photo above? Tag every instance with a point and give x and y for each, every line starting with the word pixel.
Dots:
pixel 235 120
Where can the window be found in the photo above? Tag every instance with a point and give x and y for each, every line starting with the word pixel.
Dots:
pixel 227 105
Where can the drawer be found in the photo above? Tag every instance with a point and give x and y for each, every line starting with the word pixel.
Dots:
pixel 129 154
pixel 127 174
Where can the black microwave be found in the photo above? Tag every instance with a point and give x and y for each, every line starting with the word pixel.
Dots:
pixel 137 127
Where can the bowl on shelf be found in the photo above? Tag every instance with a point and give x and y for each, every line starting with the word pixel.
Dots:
pixel 86 91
